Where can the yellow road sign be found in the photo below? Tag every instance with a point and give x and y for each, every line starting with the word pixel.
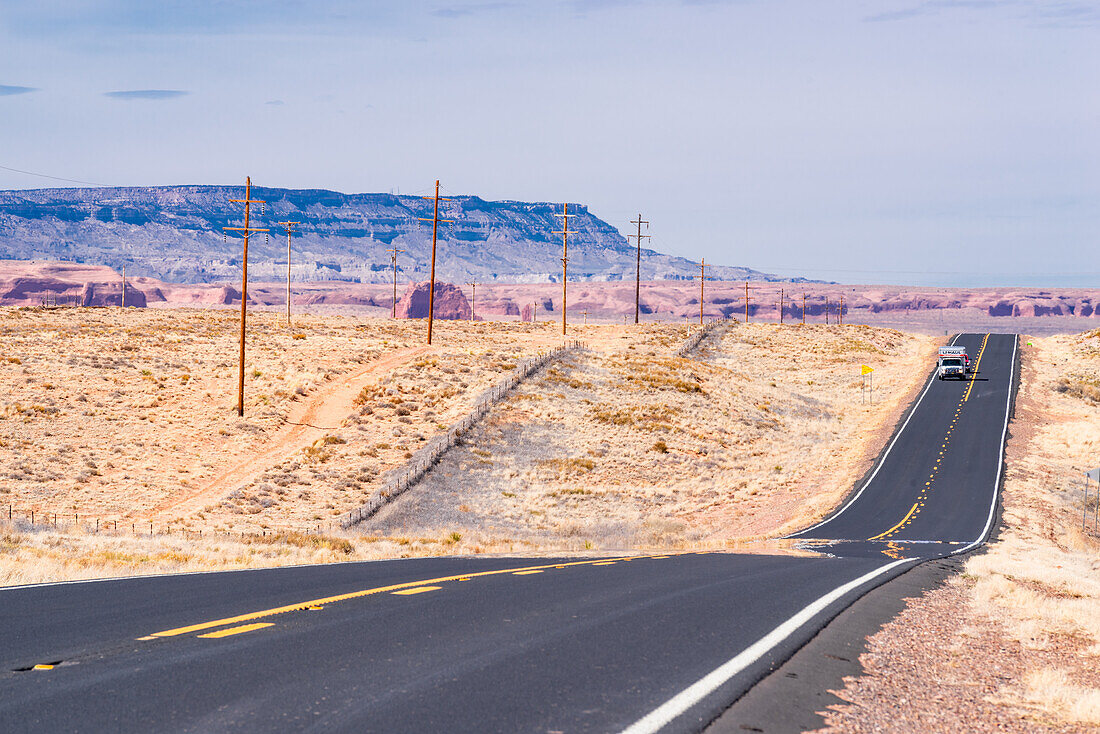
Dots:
pixel 865 370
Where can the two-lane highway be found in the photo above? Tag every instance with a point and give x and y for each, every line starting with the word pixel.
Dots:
pixel 637 643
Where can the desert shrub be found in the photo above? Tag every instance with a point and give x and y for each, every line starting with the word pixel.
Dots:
pixel 645 417
pixel 1079 387
pixel 566 468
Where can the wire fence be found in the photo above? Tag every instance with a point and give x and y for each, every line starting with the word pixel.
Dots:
pixel 699 335
pixel 422 462
pixel 37 519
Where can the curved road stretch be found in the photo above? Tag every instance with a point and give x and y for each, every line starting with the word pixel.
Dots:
pixel 637 644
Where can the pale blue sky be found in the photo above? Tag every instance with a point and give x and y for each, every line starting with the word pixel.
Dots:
pixel 938 142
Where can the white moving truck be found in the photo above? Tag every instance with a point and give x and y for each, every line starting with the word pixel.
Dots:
pixel 952 362
pixel 958 352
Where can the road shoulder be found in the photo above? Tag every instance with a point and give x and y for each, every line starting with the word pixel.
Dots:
pixel 790 698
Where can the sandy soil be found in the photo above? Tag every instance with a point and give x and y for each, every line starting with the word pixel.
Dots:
pixel 762 429
pixel 1013 644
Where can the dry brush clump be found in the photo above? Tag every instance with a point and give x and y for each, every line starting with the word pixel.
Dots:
pixel 35 555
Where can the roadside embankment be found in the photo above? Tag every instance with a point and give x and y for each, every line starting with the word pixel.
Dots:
pixel 761 430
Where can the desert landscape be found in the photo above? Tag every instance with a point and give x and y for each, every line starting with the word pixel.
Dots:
pixel 123 454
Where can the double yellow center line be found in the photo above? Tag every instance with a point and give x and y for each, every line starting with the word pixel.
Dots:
pixel 410 587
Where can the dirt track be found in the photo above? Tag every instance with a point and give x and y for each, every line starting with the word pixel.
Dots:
pixel 308 422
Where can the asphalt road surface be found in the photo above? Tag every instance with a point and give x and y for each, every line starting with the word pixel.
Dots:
pixel 634 643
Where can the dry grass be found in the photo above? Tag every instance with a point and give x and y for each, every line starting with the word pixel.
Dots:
pixel 1056 693
pixel 40 555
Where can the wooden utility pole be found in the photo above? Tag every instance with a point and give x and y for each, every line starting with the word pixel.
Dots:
pixel 638 265
pixel 245 231
pixel 564 232
pixel 289 227
pixel 781 306
pixel 702 276
pixel 585 312
pixel 747 301
pixel 803 308
pixel 473 298
pixel 124 286
pixel 840 314
pixel 826 310
pixel 393 259
pixel 435 220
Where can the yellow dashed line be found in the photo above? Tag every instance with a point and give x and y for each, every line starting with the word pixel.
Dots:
pixel 238 630
pixel 416 590
pixel 356 595
pixel 525 573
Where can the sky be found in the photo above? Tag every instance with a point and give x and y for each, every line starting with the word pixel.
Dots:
pixel 923 142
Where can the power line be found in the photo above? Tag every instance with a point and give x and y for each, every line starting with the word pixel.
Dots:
pixel 54 178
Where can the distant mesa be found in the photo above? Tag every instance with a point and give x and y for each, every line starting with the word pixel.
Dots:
pixel 450 302
pixel 67 284
pixel 176 234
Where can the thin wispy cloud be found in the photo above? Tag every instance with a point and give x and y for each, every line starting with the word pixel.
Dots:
pixel 275 102
pixel 463 11
pixel 893 15
pixel 1042 12
pixel 7 90
pixel 148 94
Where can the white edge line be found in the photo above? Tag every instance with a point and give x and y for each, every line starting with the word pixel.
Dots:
pixel 662 715
pixel 1001 458
pixel 881 461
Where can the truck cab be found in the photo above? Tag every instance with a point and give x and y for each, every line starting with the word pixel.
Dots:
pixel 951 366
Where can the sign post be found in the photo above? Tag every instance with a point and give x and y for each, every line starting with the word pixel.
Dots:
pixel 867 373
pixel 1095 475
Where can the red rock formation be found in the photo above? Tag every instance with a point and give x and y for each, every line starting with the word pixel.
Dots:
pixel 450 302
